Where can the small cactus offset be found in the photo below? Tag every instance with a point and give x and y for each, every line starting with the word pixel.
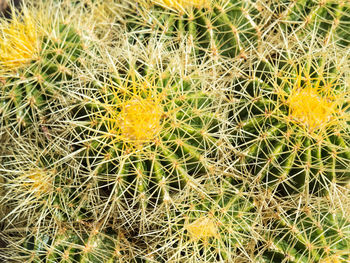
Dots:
pixel 226 28
pixel 40 188
pixel 213 224
pixel 37 55
pixel 290 119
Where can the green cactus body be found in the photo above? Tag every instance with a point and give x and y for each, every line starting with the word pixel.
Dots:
pixel 290 123
pixel 40 188
pixel 308 235
pixel 33 66
pixel 41 195
pixel 77 246
pixel 147 139
pixel 328 18
pixel 218 27
pixel 212 226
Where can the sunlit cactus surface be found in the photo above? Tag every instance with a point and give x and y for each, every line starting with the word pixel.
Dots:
pixel 144 132
pixel 37 54
pixel 309 233
pixel 227 28
pixel 209 225
pixel 290 115
pixel 175 131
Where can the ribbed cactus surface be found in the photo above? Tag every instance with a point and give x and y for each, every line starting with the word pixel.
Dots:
pixel 289 117
pixel 83 246
pixel 327 19
pixel 149 136
pixel 228 28
pixel 308 235
pixel 35 59
pixel 40 188
pixel 205 225
pixel 175 131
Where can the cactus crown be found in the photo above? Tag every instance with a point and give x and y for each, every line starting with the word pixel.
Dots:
pixel 331 260
pixel 136 114
pixel 140 119
pixel 182 4
pixel 19 41
pixel 202 228
pixel 37 181
pixel 307 106
pixel 312 101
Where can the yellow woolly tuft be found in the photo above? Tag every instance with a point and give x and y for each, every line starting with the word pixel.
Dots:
pixel 333 259
pixel 313 102
pixel 135 116
pixel 19 42
pixel 140 119
pixel 37 181
pixel 310 108
pixel 202 228
pixel 182 4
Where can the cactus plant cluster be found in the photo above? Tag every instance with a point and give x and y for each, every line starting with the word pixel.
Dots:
pixel 175 131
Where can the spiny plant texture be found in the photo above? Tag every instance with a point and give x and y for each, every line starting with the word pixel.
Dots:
pixel 105 13
pixel 219 27
pixel 213 224
pixel 83 244
pixel 40 187
pixel 38 52
pixel 290 114
pixel 325 19
pixel 306 233
pixel 175 131
pixel 145 129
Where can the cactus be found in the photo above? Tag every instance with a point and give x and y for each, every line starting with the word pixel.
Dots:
pixel 82 244
pixel 215 224
pixel 40 187
pixel 145 133
pixel 328 19
pixel 176 131
pixel 37 54
pixel 224 28
pixel 307 234
pixel 290 119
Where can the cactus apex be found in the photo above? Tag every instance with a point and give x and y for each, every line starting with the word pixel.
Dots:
pixel 182 4
pixel 19 41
